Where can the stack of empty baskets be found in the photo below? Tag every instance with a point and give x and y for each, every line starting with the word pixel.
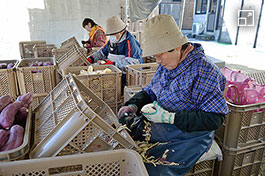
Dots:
pixel 36 72
pixel 242 138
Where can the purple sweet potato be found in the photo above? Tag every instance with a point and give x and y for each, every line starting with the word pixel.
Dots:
pixel 7 116
pixel 21 116
pixel 26 99
pixel 15 139
pixel 3 66
pixel 48 63
pixel 33 64
pixel 40 63
pixel 10 65
pixel 4 135
pixel 4 101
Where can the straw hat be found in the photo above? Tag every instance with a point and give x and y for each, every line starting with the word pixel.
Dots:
pixel 161 34
pixel 114 25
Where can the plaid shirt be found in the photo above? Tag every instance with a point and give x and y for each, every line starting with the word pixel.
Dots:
pixel 99 39
pixel 196 84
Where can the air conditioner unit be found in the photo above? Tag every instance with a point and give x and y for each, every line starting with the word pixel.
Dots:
pixel 196 28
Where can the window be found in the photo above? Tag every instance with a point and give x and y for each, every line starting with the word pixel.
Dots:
pixel 201 7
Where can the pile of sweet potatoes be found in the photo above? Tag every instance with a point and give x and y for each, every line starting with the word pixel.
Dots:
pixel 13 118
pixel 6 66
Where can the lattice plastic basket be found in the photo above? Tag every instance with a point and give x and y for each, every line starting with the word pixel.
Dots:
pixel 140 74
pixel 130 91
pixel 73 120
pixel 26 48
pixel 258 76
pixel 8 79
pixel 121 162
pixel 243 162
pixel 205 168
pixel 43 50
pixel 73 57
pixel 69 43
pixel 105 85
pixel 21 151
pixel 244 125
pixel 37 79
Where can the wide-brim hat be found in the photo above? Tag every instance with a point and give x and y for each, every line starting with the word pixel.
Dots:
pixel 114 25
pixel 161 34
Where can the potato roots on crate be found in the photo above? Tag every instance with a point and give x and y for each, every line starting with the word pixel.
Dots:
pixel 244 125
pixel 73 120
pixel 140 74
pixel 121 162
pixel 8 79
pixel 103 80
pixel 15 127
pixel 26 48
pixel 37 76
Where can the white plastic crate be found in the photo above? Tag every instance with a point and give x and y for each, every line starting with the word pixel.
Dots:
pixel 73 120
pixel 115 163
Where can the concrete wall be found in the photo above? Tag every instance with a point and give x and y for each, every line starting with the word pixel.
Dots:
pixel 51 20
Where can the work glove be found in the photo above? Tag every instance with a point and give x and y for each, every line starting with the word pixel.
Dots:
pixel 90 59
pixel 127 112
pixel 105 62
pixel 155 113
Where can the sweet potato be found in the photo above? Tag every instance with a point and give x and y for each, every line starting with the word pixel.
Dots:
pixel 4 101
pixel 4 135
pixel 3 66
pixel 40 63
pixel 48 63
pixel 33 64
pixel 15 139
pixel 10 65
pixel 7 116
pixel 26 99
pixel 21 116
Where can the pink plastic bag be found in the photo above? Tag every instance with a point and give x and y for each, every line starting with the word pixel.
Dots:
pixel 242 90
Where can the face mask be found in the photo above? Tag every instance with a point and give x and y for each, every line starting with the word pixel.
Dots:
pixel 113 39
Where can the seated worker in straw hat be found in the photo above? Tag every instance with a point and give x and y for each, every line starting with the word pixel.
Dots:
pixel 122 48
pixel 97 37
pixel 185 100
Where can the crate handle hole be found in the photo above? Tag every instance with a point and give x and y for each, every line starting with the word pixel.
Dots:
pixel 66 169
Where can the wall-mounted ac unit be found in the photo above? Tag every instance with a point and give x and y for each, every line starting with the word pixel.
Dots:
pixel 196 28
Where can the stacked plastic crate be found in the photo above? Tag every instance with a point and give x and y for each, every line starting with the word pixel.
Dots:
pixel 242 138
pixel 37 76
pixel 8 78
pixel 140 74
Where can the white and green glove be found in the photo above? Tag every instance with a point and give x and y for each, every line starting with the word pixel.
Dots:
pixel 155 113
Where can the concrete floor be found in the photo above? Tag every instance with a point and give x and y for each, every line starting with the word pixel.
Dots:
pixel 235 57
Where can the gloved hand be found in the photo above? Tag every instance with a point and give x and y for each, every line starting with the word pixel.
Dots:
pixel 90 59
pixel 127 112
pixel 160 115
pixel 105 62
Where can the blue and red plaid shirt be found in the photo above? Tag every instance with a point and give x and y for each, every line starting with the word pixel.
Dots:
pixel 196 84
